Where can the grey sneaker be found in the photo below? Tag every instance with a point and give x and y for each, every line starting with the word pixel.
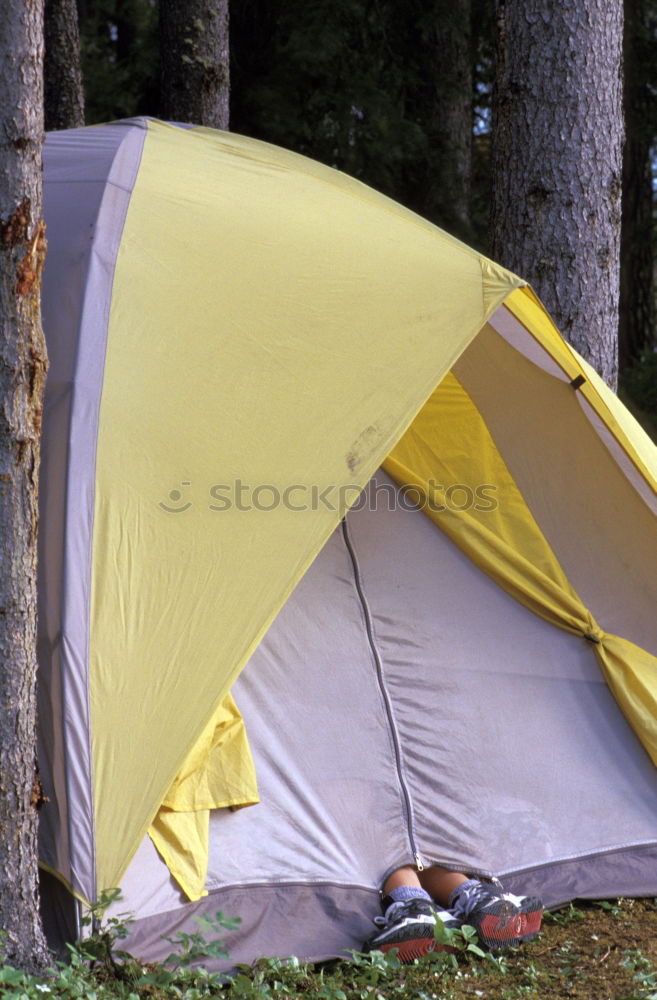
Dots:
pixel 409 927
pixel 501 919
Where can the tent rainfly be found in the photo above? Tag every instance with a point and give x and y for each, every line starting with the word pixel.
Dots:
pixel 307 455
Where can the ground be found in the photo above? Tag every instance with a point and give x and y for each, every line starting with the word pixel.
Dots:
pixel 601 951
pixel 597 951
pixel 604 951
pixel 586 951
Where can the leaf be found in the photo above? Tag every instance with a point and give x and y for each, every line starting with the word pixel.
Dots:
pixel 14 977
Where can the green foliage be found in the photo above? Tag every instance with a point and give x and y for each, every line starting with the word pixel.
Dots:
pixel 359 85
pixel 614 908
pixel 564 917
pixel 99 969
pixel 100 947
pixel 190 948
pixel 609 951
pixel 643 970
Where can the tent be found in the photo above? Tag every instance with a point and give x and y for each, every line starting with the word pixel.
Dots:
pixel 347 558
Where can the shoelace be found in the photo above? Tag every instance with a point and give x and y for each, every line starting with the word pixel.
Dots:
pixel 472 895
pixel 391 913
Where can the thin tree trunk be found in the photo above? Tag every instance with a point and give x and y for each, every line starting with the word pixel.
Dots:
pixel 557 145
pixel 453 116
pixel 439 94
pixel 195 81
pixel 22 375
pixel 63 94
pixel 637 289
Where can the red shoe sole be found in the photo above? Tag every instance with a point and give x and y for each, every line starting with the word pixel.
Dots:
pixel 507 929
pixel 534 916
pixel 408 951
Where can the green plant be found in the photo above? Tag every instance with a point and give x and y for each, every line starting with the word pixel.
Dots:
pixel 100 946
pixel 190 948
pixel 613 908
pixel 577 963
pixel 182 970
pixel 645 974
pixel 98 968
pixel 564 917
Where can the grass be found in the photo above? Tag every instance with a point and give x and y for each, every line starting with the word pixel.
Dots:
pixel 604 950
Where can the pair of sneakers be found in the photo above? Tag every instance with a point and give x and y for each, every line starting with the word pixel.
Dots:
pixel 501 919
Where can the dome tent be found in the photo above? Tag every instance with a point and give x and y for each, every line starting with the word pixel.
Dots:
pixel 461 671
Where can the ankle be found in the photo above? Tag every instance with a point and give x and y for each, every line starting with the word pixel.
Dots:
pixel 455 893
pixel 401 894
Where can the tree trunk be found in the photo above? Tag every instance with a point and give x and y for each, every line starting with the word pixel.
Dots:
pixel 448 197
pixel 557 146
pixel 194 61
pixel 637 289
pixel 63 95
pixel 22 375
pixel 432 45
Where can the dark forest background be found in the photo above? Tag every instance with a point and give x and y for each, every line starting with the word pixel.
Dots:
pixel 398 95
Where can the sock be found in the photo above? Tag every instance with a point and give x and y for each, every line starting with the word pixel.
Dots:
pixel 401 894
pixel 454 895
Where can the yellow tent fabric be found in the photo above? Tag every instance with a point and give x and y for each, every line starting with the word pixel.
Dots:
pixel 218 774
pixel 242 408
pixel 449 444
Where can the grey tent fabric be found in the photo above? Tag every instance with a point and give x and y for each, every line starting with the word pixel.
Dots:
pixel 85 211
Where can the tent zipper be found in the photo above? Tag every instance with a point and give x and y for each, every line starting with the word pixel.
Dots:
pixel 406 795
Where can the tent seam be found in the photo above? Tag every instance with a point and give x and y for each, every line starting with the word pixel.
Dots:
pixel 598 853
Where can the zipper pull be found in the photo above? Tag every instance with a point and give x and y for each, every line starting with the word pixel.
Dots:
pixel 418 863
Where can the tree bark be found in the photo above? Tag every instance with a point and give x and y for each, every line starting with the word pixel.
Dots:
pixel 195 80
pixel 637 288
pixel 447 196
pixel 22 375
pixel 557 146
pixel 63 94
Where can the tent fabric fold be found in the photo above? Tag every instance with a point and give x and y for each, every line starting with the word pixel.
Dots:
pixel 218 773
pixel 495 283
pixel 631 673
pixel 181 839
pixel 219 770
